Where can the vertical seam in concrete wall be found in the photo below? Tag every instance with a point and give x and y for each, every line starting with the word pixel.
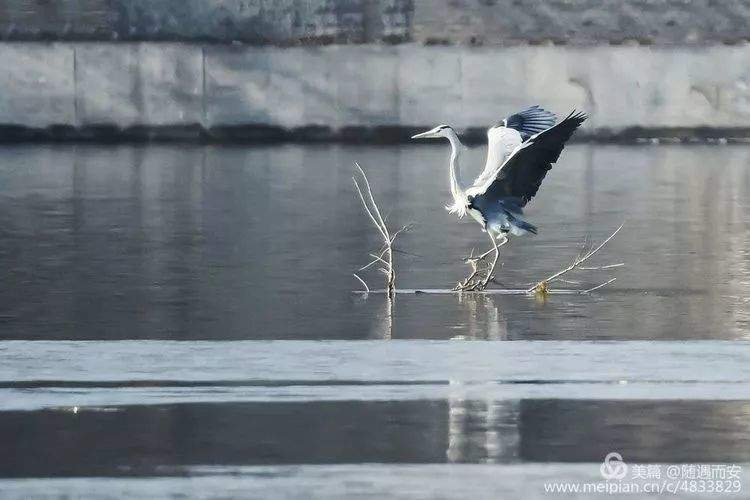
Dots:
pixel 139 90
pixel 396 54
pixel 461 82
pixel 397 88
pixel 203 88
pixel 75 86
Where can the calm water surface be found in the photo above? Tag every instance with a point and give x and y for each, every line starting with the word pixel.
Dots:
pixel 109 255
pixel 260 242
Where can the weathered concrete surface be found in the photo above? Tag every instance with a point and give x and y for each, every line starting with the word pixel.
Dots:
pixel 139 84
pixel 37 84
pixel 373 86
pixel 293 22
pixel 333 86
pixel 371 91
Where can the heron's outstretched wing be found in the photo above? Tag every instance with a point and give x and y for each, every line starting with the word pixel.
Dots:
pixel 505 136
pixel 522 173
pixel 530 121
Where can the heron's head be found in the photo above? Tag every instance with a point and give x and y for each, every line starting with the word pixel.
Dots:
pixel 435 133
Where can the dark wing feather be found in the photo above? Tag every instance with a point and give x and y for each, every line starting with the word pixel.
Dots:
pixel 530 121
pixel 522 173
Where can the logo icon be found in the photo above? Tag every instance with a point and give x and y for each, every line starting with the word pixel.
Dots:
pixel 613 467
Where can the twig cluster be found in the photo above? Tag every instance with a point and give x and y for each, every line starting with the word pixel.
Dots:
pixel 482 268
pixel 384 256
pixel 586 251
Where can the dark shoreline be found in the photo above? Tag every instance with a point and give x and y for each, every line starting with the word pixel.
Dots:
pixel 385 135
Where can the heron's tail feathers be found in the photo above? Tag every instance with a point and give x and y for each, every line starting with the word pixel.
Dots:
pixel 519 227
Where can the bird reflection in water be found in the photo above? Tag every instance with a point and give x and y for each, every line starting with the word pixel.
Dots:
pixel 485 321
pixel 482 431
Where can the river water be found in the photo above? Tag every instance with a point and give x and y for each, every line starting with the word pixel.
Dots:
pixel 126 270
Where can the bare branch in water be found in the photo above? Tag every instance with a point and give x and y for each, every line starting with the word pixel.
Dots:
pixel 600 268
pixel 584 254
pixel 385 255
pixel 597 287
pixel 367 288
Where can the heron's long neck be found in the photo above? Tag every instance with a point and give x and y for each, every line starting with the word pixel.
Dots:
pixel 457 189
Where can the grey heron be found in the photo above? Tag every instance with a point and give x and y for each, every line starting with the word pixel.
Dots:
pixel 520 150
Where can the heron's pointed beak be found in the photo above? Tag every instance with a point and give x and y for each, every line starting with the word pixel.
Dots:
pixel 424 135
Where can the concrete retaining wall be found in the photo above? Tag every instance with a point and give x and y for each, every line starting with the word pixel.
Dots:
pixel 79 90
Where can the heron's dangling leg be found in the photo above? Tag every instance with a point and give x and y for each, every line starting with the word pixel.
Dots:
pixel 491 269
pixel 485 254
